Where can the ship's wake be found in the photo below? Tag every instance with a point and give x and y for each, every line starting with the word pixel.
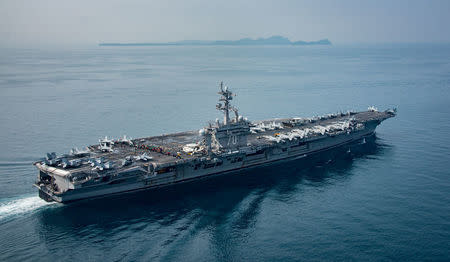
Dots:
pixel 14 207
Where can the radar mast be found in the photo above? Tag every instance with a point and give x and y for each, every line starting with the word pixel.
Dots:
pixel 226 96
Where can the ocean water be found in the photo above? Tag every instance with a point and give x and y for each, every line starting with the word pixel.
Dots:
pixel 389 201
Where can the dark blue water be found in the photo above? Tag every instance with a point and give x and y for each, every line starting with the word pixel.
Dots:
pixel 388 201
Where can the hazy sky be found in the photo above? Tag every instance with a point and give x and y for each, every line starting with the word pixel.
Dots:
pixel 75 22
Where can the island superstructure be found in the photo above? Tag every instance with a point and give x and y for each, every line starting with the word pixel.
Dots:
pixel 228 146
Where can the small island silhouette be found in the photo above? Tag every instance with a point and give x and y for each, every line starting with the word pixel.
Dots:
pixel 273 40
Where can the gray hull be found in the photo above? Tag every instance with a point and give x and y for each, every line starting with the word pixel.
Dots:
pixel 125 165
pixel 187 173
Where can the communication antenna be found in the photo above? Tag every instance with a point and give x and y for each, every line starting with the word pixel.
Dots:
pixel 225 96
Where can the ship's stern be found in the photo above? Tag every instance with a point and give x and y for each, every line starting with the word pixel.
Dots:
pixel 51 183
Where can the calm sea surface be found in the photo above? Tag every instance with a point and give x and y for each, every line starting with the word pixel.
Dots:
pixel 390 203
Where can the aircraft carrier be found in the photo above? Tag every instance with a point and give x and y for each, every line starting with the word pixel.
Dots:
pixel 123 165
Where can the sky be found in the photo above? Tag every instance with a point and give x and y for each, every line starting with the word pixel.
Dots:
pixel 81 22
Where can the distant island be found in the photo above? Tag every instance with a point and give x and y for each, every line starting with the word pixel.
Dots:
pixel 274 40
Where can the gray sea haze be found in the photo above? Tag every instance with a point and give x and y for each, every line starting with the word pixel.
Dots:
pixel 389 203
